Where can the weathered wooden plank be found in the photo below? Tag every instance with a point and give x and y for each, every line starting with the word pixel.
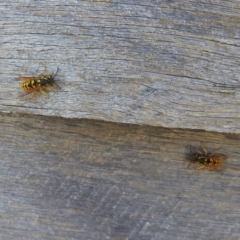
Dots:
pixel 157 63
pixel 85 179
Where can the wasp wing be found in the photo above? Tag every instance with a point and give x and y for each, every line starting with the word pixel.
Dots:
pixel 30 91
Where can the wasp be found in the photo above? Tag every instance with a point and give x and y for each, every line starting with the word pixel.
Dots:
pixel 33 84
pixel 205 159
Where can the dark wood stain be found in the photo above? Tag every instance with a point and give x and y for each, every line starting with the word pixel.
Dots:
pixel 85 179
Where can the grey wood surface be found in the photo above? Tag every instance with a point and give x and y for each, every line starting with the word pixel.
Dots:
pixel 162 63
pixel 86 179
pixel 166 63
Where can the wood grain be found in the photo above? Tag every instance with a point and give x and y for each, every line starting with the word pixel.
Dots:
pixel 84 179
pixel 161 63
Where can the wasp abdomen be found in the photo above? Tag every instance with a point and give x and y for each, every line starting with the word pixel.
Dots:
pixel 28 84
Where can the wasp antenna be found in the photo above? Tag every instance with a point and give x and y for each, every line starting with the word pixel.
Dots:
pixel 56 85
pixel 189 164
pixel 191 149
pixel 56 72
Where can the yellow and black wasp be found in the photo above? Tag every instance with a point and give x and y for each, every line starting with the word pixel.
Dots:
pixel 39 83
pixel 205 159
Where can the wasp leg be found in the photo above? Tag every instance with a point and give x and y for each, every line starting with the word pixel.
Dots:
pixel 191 149
pixel 40 73
pixel 217 168
pixel 41 90
pixel 210 168
pixel 53 86
pixel 199 168
pixel 197 151
pixel 55 73
pixel 56 86
pixel 221 169
pixel 189 164
pixel 214 152
pixel 31 96
pixel 202 146
pixel 46 74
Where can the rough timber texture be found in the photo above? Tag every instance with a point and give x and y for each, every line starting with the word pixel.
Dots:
pixel 162 63
pixel 87 179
